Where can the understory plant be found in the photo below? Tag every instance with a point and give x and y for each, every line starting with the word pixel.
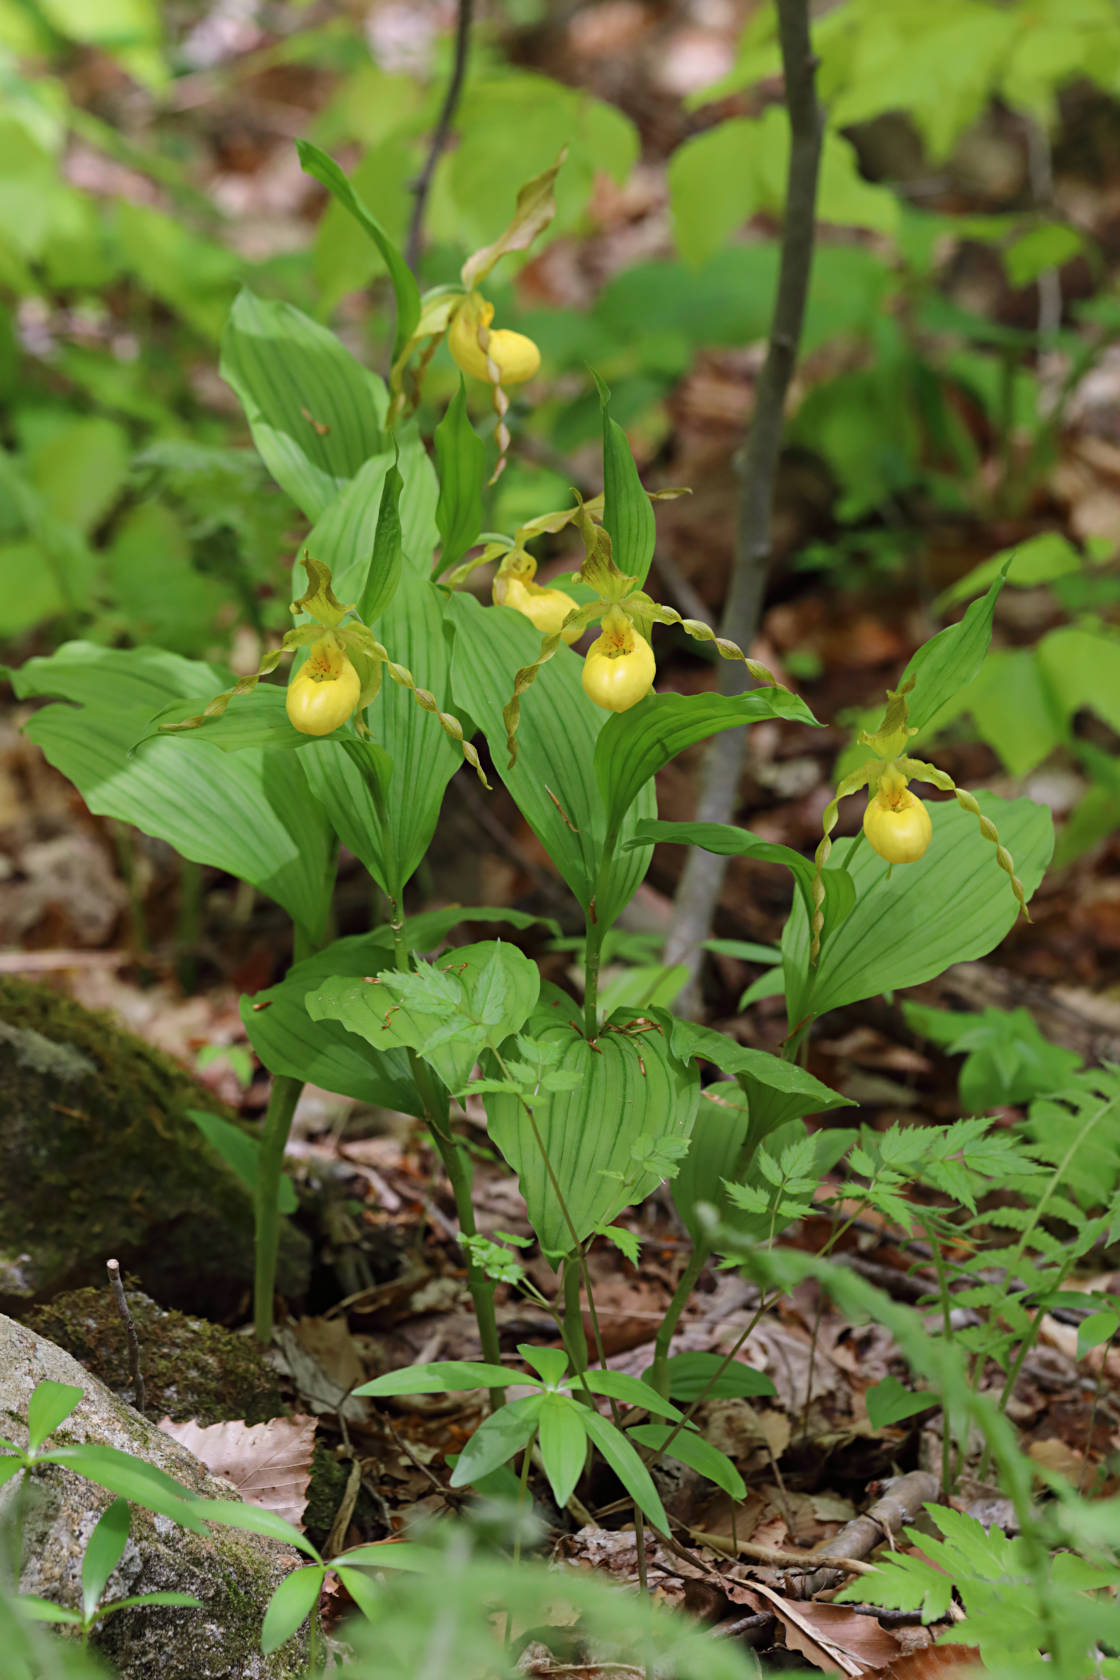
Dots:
pixel 591 1110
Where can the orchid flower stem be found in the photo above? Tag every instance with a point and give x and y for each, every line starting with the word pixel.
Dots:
pixel 659 1376
pixel 277 1127
pixel 596 932
pixel 575 1339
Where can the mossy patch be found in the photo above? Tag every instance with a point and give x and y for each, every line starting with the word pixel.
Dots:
pixel 99 1158
pixel 191 1369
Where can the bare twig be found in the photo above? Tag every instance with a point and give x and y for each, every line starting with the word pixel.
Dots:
pixel 113 1267
pixel 723 762
pixel 422 184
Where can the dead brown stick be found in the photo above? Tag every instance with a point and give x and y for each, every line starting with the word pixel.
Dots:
pixel 702 878
pixel 113 1267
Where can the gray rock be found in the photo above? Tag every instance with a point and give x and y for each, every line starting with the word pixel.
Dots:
pixel 233 1573
pixel 99 1158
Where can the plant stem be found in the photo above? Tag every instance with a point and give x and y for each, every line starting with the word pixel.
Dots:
pixel 422 184
pixel 597 926
pixel 700 883
pixel 575 1340
pixel 270 1164
pixel 457 1165
pixel 659 1375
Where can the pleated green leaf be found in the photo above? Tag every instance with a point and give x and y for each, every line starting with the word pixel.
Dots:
pixel 553 781
pixel 949 661
pixel 250 813
pixel 315 413
pixel 461 461
pixel 345 535
pixel 630 1089
pixel 627 511
pixel 914 921
pixel 634 745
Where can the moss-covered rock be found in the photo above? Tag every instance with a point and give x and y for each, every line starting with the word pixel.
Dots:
pixel 98 1158
pixel 191 1369
pixel 232 1573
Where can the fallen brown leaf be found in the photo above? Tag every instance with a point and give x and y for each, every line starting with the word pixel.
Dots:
pixel 268 1463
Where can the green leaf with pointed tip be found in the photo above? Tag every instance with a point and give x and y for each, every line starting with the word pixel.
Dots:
pixel 359 537
pixel 185 1601
pixel 629 1089
pixel 445 1376
pixel 249 813
pixel 690 1447
pixel 42 1610
pixel 461 464
pixel 617 1385
pixel 951 659
pixel 241 1153
pixel 345 535
pixel 103 1552
pixel 627 511
pixel 407 293
pixel 50 1404
pixel 553 781
pixel 693 1374
pixel 133 1479
pixel 9 1466
pixel 634 745
pixel 726 840
pixel 314 412
pixel 448 1013
pixel 550 1364
pixel 888 1402
pixel 255 1519
pixel 563 1444
pixel 290 1605
pixel 628 1467
pixel 914 921
pixel 497 1438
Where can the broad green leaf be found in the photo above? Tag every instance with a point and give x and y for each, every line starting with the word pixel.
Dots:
pixel 950 659
pixel 729 841
pixel 132 1478
pixel 690 1447
pixel 343 538
pixel 80 470
pixel 1014 708
pixel 405 289
pixel 888 1402
pixel 634 745
pixel 627 1466
pixel 9 1467
pixel 103 1552
pixel 449 1013
pixel 50 1404
pixel 627 511
pixel 563 1444
pixel 291 1604
pixel 324 1053
pixel 553 781
pixel 912 922
pixel 359 538
pixel 250 813
pixel 617 1385
pixel 693 1374
pixel 241 1154
pixel 254 1519
pixel 630 1089
pixel 757 1071
pixel 1082 668
pixel 445 1376
pixel 461 464
pixel 257 719
pixel 314 412
pixel 497 1438
pixel 1046 246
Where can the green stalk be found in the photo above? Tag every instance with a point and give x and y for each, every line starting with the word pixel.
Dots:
pixel 659 1375
pixel 277 1126
pixel 575 1340
pixel 596 932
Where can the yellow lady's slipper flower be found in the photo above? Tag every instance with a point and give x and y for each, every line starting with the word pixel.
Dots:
pixel 544 607
pixel 515 357
pixel 619 668
pixel 324 692
pixel 896 823
pixel 898 827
